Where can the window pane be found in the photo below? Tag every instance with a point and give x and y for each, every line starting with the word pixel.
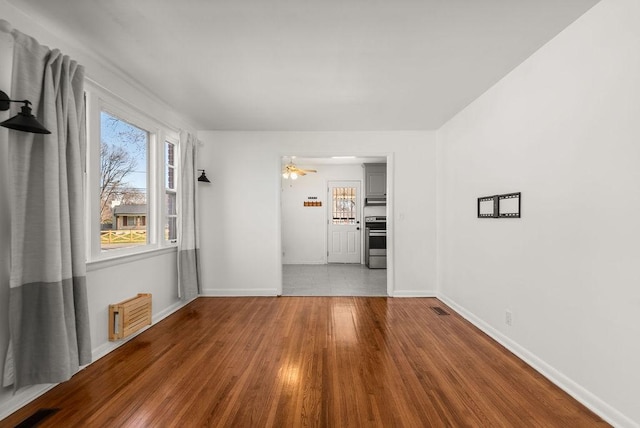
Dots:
pixel 170 213
pixel 170 163
pixel 170 178
pixel 123 183
pixel 171 204
pixel 171 229
pixel 343 208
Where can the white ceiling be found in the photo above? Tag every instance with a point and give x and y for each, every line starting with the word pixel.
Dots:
pixel 312 65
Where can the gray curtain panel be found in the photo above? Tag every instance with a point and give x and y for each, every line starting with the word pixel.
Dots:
pixel 48 315
pixel 188 245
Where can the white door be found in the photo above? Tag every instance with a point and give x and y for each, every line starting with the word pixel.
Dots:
pixel 344 228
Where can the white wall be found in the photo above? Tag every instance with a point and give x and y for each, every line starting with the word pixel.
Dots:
pixel 240 210
pixel 106 282
pixel 304 229
pixel 562 129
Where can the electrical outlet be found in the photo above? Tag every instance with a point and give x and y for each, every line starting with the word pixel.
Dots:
pixel 508 318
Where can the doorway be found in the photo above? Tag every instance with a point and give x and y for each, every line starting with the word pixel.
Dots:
pixel 306 211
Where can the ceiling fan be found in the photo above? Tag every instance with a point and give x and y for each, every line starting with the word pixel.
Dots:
pixel 291 171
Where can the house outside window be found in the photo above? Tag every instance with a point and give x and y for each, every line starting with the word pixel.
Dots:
pixel 127 217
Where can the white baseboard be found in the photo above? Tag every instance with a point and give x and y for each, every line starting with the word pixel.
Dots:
pixel 302 262
pixel 594 403
pixel 239 292
pixel 414 293
pixel 27 395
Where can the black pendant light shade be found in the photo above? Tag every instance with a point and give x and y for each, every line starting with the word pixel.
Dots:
pixel 23 121
pixel 203 177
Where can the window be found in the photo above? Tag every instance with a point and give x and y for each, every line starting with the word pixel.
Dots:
pixel 131 221
pixel 343 205
pixel 132 177
pixel 171 213
pixel 124 152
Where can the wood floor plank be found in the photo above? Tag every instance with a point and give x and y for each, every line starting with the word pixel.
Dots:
pixel 310 361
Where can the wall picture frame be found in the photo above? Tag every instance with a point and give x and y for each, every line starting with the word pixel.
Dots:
pixel 507 205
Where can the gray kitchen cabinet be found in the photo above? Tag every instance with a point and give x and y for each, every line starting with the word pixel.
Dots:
pixel 375 182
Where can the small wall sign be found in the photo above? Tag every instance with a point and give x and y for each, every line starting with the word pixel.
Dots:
pixel 312 201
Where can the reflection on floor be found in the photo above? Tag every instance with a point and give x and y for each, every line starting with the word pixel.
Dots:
pixel 333 280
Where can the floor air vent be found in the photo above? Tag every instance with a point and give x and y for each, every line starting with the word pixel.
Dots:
pixel 39 416
pixel 438 310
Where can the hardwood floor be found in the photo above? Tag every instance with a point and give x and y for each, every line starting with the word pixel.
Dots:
pixel 310 361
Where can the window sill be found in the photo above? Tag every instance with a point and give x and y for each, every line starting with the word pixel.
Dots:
pixel 129 258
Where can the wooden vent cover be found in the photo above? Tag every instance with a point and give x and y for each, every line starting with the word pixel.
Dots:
pixel 125 318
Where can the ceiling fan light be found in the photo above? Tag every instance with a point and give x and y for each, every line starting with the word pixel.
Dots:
pixel 293 175
pixel 285 175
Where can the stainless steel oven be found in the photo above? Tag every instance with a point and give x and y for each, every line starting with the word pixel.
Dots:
pixel 375 242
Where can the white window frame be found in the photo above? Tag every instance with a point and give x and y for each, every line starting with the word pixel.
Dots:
pixel 97 101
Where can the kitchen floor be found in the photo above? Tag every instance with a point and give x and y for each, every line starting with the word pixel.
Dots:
pixel 333 280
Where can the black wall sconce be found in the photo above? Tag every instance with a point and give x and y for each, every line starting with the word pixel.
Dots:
pixel 23 121
pixel 203 177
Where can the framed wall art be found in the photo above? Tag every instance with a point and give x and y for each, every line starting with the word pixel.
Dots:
pixel 500 206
